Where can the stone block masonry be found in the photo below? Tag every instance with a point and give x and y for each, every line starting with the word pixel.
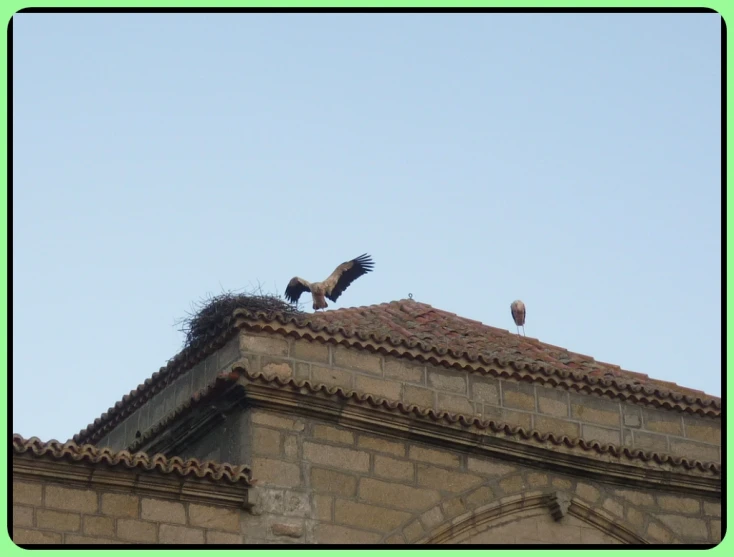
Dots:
pixel 530 405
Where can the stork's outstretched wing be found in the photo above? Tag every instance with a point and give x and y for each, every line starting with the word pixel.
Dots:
pixel 295 288
pixel 345 274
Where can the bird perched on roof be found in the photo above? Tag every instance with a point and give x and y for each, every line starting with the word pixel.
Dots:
pixel 517 308
pixel 344 275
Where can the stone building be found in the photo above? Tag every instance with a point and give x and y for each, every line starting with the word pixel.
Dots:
pixel 389 424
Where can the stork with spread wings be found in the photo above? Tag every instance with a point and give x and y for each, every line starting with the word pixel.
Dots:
pixel 344 275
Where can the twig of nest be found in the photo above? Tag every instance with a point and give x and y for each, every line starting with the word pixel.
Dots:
pixel 214 310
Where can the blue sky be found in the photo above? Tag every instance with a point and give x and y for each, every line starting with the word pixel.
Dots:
pixel 570 160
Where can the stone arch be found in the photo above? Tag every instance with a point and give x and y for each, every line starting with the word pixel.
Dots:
pixel 551 507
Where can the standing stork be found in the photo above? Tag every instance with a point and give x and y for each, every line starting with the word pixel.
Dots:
pixel 517 308
pixel 333 286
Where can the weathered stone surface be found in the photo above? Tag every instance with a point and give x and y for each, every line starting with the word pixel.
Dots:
pixel 650 441
pixel 269 471
pixel 595 410
pixel 546 424
pixel 323 506
pixel 434 456
pixel 450 381
pixel 180 534
pixel 117 504
pixel 518 395
pixel 396 495
pixel 369 517
pixel 711 509
pixel 288 530
pixel 381 445
pixel 424 398
pixel 692 449
pixel 76 539
pixel 489 467
pixel 158 510
pixel 277 421
pixel 99 526
pixel 130 529
pixel 703 429
pixel 674 503
pixel 561 483
pixel 479 496
pixel 28 536
pixel 332 377
pixel 552 402
pixel 537 479
pixel 484 389
pixel 432 518
pixel 601 434
pixel 297 503
pixel 388 467
pixel 636 497
pixel 59 521
pixel 22 516
pixel 455 404
pixel 27 493
pixel 662 421
pixel 214 537
pixel 446 480
pixel 614 507
pixel 336 457
pixel 72 499
pixel 311 351
pixel 690 528
pixel 362 361
pixel 265 441
pixel 330 533
pixel 405 372
pixel 379 388
pixel 329 481
pixel 588 492
pixel 715 526
pixel 269 345
pixel 513 484
pixel 454 507
pixel 219 518
pixel 333 434
pixel 413 531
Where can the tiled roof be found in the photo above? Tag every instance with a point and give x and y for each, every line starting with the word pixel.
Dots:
pixel 406 326
pixel 221 383
pixel 441 335
pixel 473 421
pixel 72 452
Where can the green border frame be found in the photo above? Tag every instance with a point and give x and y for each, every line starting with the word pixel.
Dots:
pixel 9 7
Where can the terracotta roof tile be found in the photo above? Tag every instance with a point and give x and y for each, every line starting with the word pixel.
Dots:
pixel 72 452
pixel 473 421
pixel 414 325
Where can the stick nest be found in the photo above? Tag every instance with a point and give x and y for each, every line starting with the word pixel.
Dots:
pixel 212 311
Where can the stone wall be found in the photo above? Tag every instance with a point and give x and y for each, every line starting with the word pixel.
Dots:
pixel 532 406
pixel 46 512
pixel 319 481
pixel 322 483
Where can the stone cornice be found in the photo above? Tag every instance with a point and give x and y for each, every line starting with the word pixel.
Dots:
pixel 368 414
pixel 91 476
